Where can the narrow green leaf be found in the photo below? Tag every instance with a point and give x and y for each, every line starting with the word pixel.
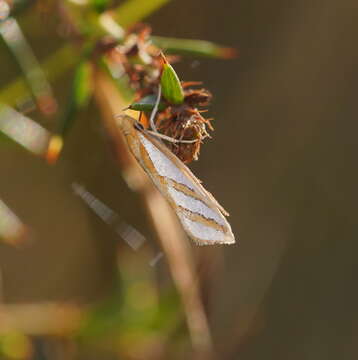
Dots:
pixel 5 140
pixel 21 51
pixel 79 96
pixel 54 66
pixel 12 230
pixel 171 86
pixel 100 5
pixel 82 84
pixel 121 82
pixel 133 11
pixel 146 104
pixel 24 131
pixel 193 47
pixel 4 10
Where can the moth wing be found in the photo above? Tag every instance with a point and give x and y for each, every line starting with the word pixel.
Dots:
pixel 180 165
pixel 200 214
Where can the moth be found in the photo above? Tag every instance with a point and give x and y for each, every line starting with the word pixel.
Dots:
pixel 200 214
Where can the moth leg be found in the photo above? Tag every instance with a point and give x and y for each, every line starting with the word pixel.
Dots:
pixel 170 139
pixel 155 110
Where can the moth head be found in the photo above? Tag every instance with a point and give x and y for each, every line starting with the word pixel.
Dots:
pixel 138 126
pixel 126 123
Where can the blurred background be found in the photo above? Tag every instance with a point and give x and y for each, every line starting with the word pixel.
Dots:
pixel 282 161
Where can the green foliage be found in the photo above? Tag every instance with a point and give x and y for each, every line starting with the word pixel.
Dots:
pixel 171 86
pixel 82 84
pixel 79 96
pixel 132 11
pixel 15 346
pixel 133 314
pixel 100 5
pixel 5 140
pixel 54 66
pixel 146 104
pixel 193 47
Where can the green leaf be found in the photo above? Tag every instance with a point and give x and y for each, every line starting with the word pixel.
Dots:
pixel 133 11
pixel 100 5
pixel 79 96
pixel 146 104
pixel 5 140
pixel 54 66
pixel 82 84
pixel 193 47
pixel 26 61
pixel 23 131
pixel 171 86
pixel 121 82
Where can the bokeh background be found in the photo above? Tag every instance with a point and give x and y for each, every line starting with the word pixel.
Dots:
pixel 282 162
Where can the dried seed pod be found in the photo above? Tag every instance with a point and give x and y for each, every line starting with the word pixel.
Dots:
pixel 145 67
pixel 197 97
pixel 183 123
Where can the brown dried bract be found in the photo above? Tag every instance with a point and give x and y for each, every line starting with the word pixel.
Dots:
pixel 183 123
pixel 197 97
pixel 140 61
pixel 136 58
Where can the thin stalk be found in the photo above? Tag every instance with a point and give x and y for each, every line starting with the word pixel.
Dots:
pixel 40 318
pixel 132 11
pixel 165 224
pixel 58 63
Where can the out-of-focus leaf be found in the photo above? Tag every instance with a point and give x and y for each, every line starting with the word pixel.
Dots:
pixel 62 60
pixel 110 26
pixel 24 131
pixel 20 6
pixel 15 346
pixel 146 104
pixel 12 230
pixel 126 312
pixel 5 140
pixel 100 5
pixel 54 149
pixel 119 77
pixel 168 315
pixel 82 85
pixel 16 128
pixel 15 40
pixel 193 47
pixel 4 10
pixel 171 86
pixel 132 11
pixel 104 317
pixel 79 96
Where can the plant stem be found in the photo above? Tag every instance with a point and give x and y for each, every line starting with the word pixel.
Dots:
pixel 133 11
pixel 40 318
pixel 61 61
pixel 166 226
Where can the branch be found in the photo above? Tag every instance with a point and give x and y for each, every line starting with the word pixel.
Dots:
pixel 40 319
pixel 61 61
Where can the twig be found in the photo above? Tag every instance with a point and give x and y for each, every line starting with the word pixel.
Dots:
pixel 40 319
pixel 168 230
pixel 54 66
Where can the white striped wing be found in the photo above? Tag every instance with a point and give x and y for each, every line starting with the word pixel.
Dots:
pixel 201 216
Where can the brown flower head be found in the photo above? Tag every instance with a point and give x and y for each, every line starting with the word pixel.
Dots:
pixel 185 122
pixel 138 59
